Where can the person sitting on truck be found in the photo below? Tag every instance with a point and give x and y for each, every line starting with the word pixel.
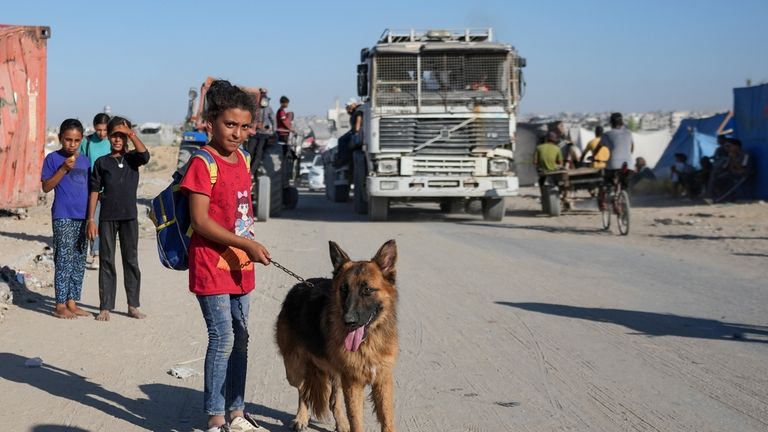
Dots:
pixel 547 157
pixel 284 124
pixel 352 139
pixel 265 131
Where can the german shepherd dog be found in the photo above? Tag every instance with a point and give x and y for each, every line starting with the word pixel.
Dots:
pixel 340 335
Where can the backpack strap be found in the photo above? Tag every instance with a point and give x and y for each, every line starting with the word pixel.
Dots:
pixel 213 169
pixel 247 158
pixel 207 157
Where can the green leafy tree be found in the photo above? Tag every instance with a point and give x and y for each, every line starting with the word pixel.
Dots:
pixel 633 124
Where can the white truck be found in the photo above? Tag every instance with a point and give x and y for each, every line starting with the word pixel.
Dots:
pixel 439 114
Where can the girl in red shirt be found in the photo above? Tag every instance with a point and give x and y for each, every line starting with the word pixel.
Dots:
pixel 222 253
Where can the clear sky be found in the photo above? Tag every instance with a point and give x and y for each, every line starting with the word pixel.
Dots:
pixel 141 57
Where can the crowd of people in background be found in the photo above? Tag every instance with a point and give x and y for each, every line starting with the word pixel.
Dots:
pixel 716 177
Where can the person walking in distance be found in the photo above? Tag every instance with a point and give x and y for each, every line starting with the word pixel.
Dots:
pixel 114 182
pixel 95 146
pixel 223 253
pixel 66 172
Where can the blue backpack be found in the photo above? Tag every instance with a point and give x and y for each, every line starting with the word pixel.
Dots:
pixel 169 211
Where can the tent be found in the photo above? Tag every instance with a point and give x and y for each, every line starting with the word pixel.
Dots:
pixel 751 127
pixel 694 138
pixel 649 145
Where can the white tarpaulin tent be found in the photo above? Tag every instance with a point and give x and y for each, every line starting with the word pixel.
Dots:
pixel 649 145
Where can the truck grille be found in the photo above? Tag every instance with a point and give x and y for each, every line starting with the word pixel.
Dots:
pixel 443 166
pixel 406 134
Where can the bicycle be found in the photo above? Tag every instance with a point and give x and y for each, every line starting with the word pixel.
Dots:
pixel 618 197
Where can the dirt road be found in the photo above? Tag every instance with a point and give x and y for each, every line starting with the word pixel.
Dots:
pixel 532 324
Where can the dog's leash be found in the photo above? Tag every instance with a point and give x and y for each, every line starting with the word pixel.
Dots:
pixel 290 273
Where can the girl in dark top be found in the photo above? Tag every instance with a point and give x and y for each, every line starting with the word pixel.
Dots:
pixel 114 181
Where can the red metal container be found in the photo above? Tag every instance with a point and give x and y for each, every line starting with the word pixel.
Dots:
pixel 23 63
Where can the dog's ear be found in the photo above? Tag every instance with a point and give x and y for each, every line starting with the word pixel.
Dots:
pixel 338 256
pixel 386 258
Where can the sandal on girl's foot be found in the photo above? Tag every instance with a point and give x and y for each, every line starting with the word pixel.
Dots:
pixel 245 424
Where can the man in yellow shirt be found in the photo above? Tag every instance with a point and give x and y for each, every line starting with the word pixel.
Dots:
pixel 600 153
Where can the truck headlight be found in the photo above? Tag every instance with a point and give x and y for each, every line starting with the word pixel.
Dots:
pixel 387 167
pixel 498 166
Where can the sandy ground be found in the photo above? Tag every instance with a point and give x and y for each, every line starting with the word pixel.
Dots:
pixel 531 324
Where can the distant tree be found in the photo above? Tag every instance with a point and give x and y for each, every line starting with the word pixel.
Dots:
pixel 632 124
pixel 749 82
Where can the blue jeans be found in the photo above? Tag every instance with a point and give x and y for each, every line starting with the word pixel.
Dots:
pixel 226 360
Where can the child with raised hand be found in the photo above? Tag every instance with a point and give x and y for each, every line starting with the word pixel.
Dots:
pixel 114 182
pixel 95 146
pixel 66 172
pixel 222 253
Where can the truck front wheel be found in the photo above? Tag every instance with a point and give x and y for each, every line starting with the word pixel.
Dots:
pixel 494 209
pixel 358 174
pixel 378 208
pixel 263 186
pixel 290 197
pixel 452 205
pixel 341 193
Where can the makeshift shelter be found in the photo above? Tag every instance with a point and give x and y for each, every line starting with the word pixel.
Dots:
pixel 649 145
pixel 694 138
pixel 751 127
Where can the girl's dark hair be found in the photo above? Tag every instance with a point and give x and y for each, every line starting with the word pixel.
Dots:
pixel 222 95
pixel 70 124
pixel 101 118
pixel 115 122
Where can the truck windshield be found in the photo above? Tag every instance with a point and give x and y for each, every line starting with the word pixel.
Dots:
pixel 451 78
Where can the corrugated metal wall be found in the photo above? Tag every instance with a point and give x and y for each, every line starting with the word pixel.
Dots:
pixel 23 54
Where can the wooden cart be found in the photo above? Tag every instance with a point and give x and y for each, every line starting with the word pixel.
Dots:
pixel 572 180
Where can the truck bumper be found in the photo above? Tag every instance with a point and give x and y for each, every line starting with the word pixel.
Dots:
pixel 442 187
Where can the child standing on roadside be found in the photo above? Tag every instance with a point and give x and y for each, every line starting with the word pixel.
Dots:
pixel 114 182
pixel 222 254
pixel 95 146
pixel 66 172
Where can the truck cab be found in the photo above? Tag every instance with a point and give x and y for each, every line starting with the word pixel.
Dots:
pixel 439 110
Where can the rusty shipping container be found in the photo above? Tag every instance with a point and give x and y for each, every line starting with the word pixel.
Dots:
pixel 23 63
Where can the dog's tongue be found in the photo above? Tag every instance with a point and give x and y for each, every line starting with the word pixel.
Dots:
pixel 354 339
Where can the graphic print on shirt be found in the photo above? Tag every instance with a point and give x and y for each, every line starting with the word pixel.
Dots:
pixel 234 259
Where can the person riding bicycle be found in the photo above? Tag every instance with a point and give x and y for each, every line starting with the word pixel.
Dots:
pixel 621 145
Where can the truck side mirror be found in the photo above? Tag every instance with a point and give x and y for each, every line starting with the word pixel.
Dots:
pixel 364 54
pixel 362 80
